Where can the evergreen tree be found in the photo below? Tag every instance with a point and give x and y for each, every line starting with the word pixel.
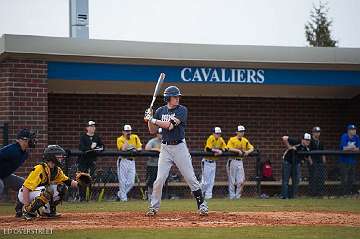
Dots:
pixel 317 30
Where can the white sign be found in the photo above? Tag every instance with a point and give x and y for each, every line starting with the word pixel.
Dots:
pixel 223 75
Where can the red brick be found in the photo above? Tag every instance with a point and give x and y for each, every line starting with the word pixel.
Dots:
pixel 16 93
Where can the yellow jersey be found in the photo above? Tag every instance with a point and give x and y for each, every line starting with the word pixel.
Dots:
pixel 214 143
pixel 133 143
pixel 42 175
pixel 243 144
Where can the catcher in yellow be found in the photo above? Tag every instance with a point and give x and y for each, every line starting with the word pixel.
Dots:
pixel 46 185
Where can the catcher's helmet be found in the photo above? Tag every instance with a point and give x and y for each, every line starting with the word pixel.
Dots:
pixel 171 91
pixel 54 153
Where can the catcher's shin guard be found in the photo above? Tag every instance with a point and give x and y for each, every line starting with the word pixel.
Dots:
pixel 62 189
pixel 52 213
pixel 30 211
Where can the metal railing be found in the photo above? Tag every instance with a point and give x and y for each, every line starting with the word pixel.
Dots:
pixel 195 153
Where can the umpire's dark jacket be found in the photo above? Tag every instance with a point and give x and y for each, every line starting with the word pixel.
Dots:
pixel 11 158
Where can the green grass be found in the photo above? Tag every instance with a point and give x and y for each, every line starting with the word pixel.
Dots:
pixel 279 232
pixel 245 204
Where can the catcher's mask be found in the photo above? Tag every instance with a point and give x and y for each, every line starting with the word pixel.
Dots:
pixel 30 136
pixel 55 154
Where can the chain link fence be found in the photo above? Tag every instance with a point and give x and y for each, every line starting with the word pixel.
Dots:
pixel 317 180
pixel 332 177
pixel 106 178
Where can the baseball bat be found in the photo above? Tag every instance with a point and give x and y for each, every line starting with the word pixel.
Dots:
pixel 157 88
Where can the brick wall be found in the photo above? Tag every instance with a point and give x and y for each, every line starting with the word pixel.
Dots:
pixel 23 101
pixel 266 119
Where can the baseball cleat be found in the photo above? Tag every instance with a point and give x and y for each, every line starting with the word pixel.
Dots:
pixel 203 209
pixel 29 216
pixel 152 212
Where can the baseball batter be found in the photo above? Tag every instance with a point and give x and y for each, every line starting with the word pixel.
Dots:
pixel 238 144
pixel 172 118
pixel 216 144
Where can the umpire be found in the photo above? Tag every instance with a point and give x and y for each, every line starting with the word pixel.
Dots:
pixel 90 143
pixel 11 158
pixel 316 165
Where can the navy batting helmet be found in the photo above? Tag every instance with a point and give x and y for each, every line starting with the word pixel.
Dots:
pixel 171 91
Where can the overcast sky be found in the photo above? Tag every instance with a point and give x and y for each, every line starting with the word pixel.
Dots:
pixel 240 22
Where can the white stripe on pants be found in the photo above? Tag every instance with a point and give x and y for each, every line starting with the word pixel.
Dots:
pixel 126 175
pixel 236 177
pixel 208 178
pixel 169 155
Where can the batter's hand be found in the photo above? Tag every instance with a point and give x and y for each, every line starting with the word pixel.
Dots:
pixel 176 120
pixel 148 114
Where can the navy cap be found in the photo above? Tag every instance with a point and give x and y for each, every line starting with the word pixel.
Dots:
pixel 351 126
pixel 25 134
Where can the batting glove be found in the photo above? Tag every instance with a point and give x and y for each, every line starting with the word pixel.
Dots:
pixel 149 116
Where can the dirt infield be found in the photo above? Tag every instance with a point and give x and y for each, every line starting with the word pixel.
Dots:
pixel 183 219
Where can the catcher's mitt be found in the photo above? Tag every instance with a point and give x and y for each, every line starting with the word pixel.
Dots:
pixel 83 179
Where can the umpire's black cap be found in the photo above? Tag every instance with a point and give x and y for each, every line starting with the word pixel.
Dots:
pixel 25 134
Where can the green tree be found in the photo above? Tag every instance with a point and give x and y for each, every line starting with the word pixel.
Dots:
pixel 317 30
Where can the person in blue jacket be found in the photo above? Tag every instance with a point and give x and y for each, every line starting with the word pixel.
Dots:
pixel 347 163
pixel 12 157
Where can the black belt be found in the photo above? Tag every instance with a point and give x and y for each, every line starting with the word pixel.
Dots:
pixel 130 159
pixel 174 142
